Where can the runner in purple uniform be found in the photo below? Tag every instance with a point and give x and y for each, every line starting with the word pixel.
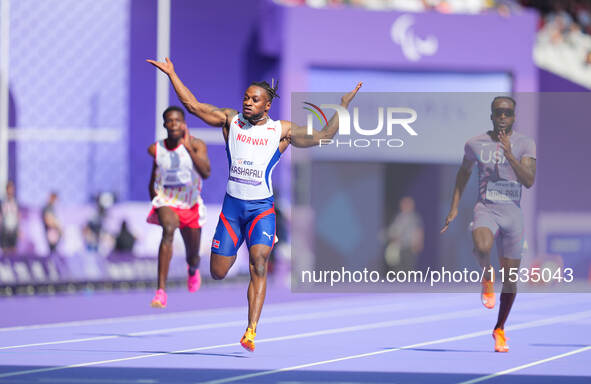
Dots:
pixel 506 161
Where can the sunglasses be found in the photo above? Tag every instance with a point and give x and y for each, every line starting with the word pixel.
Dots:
pixel 506 111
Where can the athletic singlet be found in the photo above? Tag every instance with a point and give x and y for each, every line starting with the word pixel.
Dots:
pixel 177 183
pixel 497 182
pixel 253 152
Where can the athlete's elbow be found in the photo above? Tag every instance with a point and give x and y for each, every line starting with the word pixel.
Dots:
pixel 191 108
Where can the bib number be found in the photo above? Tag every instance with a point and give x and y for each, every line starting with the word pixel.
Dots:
pixel 503 190
pixel 175 178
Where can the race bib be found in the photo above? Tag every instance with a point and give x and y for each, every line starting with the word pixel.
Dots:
pixel 503 190
pixel 175 178
pixel 245 173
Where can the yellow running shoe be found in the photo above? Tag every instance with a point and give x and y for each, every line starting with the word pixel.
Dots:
pixel 500 340
pixel 488 294
pixel 247 340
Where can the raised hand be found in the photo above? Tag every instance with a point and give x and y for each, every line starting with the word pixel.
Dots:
pixel 166 66
pixel 187 139
pixel 347 97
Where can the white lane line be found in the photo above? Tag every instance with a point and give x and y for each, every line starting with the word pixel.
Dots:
pixel 524 366
pixel 382 324
pixel 63 380
pixel 414 320
pixel 530 324
pixel 207 312
pixel 349 311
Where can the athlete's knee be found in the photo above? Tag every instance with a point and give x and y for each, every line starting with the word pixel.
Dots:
pixel 260 268
pixel 217 273
pixel 482 245
pixel 259 265
pixel 168 232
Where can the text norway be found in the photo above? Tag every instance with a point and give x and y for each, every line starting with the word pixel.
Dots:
pixel 249 140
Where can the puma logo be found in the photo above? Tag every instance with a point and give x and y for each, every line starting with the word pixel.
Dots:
pixel 269 236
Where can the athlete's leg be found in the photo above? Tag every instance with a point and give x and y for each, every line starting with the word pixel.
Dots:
pixel 509 291
pixel 260 238
pixel 510 246
pixel 192 240
pixel 485 229
pixel 483 239
pixel 227 238
pixel 257 288
pixel 507 298
pixel 226 241
pixel 219 265
pixel 169 222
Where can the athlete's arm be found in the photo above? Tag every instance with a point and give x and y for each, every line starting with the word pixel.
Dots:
pixel 198 152
pixel 152 152
pixel 212 115
pixel 461 180
pixel 525 169
pixel 299 136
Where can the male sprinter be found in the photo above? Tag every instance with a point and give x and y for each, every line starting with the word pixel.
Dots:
pixel 180 162
pixel 254 144
pixel 506 161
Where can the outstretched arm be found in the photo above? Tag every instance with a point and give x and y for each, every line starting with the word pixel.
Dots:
pixel 212 115
pixel 299 136
pixel 461 180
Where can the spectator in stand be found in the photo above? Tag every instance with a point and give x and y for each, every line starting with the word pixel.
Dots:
pixel 53 229
pixel 9 220
pixel 125 239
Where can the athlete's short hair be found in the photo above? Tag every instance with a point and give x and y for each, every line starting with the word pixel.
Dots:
pixel 503 97
pixel 171 109
pixel 270 89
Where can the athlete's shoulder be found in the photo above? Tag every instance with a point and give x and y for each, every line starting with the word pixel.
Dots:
pixel 525 144
pixel 275 123
pixel 152 149
pixel 483 137
pixel 521 136
pixel 198 144
pixel 475 142
pixel 236 117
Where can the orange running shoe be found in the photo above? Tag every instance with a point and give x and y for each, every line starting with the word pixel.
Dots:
pixel 500 340
pixel 488 294
pixel 247 340
pixel 159 300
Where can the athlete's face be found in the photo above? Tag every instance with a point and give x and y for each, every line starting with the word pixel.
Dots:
pixel 503 115
pixel 10 189
pixel 255 103
pixel 175 125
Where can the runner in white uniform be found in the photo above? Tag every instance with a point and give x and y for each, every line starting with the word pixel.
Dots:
pixel 506 161
pixel 180 163
pixel 254 144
